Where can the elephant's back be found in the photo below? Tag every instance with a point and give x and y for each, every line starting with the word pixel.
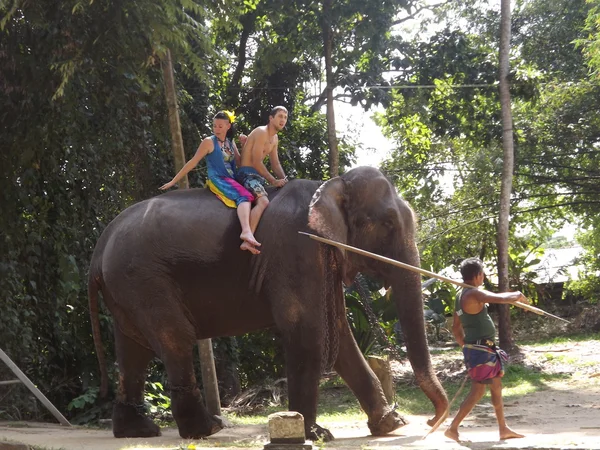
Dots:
pixel 194 223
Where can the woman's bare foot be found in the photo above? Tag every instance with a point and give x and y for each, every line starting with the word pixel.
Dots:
pixel 249 238
pixel 247 246
pixel 507 433
pixel 452 434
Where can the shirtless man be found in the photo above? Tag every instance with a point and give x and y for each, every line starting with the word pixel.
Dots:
pixel 252 173
pixel 475 333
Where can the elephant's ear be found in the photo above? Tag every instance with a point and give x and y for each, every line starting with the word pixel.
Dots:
pixel 327 215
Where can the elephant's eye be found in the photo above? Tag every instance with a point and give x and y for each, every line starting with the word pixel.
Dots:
pixel 389 224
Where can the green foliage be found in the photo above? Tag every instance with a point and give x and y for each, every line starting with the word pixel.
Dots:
pixel 155 397
pixel 87 398
pixel 448 157
pixel 84 132
pixel 262 358
pixel 590 42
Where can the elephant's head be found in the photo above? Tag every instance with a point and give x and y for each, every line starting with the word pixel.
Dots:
pixel 361 208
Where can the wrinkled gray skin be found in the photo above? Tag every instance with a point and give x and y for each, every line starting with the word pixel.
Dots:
pixel 171 272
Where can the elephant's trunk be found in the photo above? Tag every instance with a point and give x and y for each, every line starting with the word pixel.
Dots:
pixel 406 290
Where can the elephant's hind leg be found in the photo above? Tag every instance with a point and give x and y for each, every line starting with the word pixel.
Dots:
pixel 193 420
pixel 129 418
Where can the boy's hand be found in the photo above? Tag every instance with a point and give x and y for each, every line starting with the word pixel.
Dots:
pixel 280 183
pixel 242 138
pixel 523 299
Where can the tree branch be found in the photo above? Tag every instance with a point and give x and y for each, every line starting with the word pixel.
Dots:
pixel 417 11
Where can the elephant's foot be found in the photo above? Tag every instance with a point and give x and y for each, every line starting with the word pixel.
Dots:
pixel 130 420
pixel 316 432
pixel 193 421
pixel 388 423
pixel 189 430
pixel 438 419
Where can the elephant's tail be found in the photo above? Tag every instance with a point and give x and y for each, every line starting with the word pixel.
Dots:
pixel 93 288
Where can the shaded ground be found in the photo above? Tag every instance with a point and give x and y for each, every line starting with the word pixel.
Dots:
pixel 564 414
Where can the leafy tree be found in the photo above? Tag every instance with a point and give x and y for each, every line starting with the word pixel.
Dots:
pixel 447 161
pixel 84 135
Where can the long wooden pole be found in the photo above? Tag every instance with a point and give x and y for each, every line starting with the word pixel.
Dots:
pixel 533 309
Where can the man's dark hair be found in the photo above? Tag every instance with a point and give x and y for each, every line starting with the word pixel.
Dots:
pixel 276 109
pixel 470 268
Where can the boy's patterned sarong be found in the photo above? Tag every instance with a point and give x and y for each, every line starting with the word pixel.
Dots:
pixel 229 191
pixel 484 363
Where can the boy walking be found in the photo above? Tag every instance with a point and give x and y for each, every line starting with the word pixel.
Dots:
pixel 475 332
pixel 252 173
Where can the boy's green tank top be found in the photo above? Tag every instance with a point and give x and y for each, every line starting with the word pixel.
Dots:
pixel 476 326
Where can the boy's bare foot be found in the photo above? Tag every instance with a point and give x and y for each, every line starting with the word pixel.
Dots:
pixel 246 246
pixel 449 433
pixel 249 238
pixel 507 433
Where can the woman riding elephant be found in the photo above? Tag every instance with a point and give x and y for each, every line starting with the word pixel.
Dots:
pixel 171 272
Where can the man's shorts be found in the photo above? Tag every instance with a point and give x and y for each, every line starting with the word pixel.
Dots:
pixel 248 177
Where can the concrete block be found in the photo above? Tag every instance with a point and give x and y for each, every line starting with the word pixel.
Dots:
pixel 286 428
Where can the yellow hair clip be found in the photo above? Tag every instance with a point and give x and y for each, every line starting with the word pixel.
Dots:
pixel 231 115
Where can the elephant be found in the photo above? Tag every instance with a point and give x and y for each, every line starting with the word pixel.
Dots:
pixel 171 272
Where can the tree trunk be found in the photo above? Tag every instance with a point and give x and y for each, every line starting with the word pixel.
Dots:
pixel 505 330
pixel 234 88
pixel 334 163
pixel 209 377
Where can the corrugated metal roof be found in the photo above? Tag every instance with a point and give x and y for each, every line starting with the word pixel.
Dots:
pixel 558 265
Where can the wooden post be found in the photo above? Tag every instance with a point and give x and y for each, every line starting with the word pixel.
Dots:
pixel 174 124
pixel 207 361
pixel 209 376
pixel 382 369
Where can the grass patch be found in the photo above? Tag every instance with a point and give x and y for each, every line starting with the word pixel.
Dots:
pixel 563 339
pixel 37 447
pixel 564 358
pixel 521 380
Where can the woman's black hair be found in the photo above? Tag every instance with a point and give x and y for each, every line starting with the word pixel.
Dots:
pixel 223 115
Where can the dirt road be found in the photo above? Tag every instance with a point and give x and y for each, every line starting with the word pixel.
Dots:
pixel 564 415
pixel 552 419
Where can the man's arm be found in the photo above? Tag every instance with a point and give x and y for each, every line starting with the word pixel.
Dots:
pixel 483 296
pixel 457 330
pixel 474 300
pixel 276 165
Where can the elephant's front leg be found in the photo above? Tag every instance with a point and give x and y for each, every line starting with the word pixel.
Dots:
pixel 359 377
pixel 304 354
